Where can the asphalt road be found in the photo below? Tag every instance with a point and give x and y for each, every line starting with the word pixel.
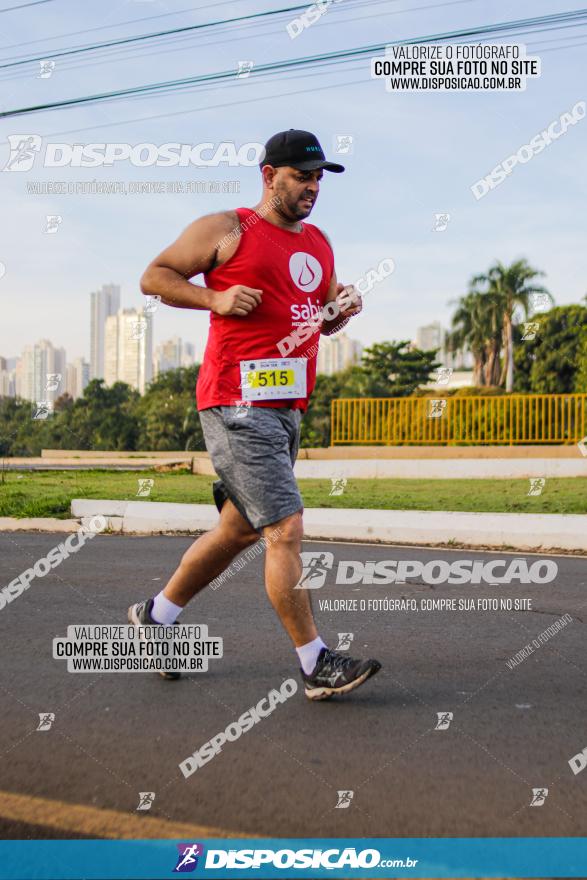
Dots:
pixel 117 734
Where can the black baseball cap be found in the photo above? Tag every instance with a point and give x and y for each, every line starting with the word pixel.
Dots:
pixel 298 149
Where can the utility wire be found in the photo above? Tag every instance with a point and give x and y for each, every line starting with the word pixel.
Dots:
pixel 124 41
pixel 118 24
pixel 240 27
pixel 185 32
pixel 114 53
pixel 242 100
pixel 142 37
pixel 221 106
pixel 292 64
pixel 24 5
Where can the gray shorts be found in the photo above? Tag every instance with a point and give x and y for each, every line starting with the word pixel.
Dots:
pixel 253 451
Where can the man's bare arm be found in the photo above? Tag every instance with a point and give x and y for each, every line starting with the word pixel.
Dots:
pixel 348 302
pixel 197 250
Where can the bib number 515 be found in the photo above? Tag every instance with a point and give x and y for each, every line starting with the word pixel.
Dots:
pixel 270 378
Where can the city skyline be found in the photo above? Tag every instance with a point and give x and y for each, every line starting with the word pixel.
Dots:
pixel 121 349
pixel 106 302
pixel 128 355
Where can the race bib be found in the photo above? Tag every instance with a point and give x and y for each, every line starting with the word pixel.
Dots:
pixel 273 379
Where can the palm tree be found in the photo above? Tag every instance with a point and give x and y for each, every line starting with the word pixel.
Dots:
pixel 476 325
pixel 512 287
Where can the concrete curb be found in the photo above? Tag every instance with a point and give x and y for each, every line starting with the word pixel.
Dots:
pixel 38 524
pixel 517 531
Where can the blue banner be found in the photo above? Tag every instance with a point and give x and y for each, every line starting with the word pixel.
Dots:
pixel 273 858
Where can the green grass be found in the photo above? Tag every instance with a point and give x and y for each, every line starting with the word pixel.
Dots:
pixel 49 493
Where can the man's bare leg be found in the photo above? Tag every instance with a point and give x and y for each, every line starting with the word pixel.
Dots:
pixel 209 555
pixel 283 569
pixel 324 672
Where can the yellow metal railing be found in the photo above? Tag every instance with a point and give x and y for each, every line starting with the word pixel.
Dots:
pixel 507 419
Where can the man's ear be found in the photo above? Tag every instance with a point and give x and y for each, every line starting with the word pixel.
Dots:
pixel 268 172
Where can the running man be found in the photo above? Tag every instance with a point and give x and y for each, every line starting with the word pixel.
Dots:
pixel 268 275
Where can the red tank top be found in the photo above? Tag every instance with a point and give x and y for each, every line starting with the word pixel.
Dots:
pixel 293 269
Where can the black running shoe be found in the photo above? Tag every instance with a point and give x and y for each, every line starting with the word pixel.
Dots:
pixel 140 615
pixel 337 674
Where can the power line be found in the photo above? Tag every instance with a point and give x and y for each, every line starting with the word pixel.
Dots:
pixel 24 5
pixel 122 23
pixel 221 28
pixel 175 34
pixel 558 48
pixel 242 100
pixel 108 55
pixel 142 37
pixel 292 64
pixel 210 107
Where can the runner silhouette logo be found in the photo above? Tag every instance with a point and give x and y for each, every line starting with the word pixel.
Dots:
pixel 315 568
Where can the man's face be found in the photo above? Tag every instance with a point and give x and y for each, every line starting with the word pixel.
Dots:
pixel 298 191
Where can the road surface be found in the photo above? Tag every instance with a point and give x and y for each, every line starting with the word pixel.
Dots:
pixel 115 735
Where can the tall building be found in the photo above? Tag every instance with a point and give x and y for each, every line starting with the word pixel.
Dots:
pixel 128 348
pixel 168 355
pixel 7 383
pixel 431 336
pixel 188 356
pixel 172 354
pixel 434 336
pixel 40 372
pixel 337 352
pixel 77 377
pixel 103 303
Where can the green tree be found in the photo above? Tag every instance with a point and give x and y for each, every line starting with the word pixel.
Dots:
pixel 316 422
pixel 513 287
pixel 476 326
pixel 183 379
pixel 167 413
pixel 486 317
pixel 580 386
pixel 555 360
pixel 104 418
pixel 20 434
pixel 394 369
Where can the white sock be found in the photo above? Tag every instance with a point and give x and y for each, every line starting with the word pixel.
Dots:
pixel 308 654
pixel 164 611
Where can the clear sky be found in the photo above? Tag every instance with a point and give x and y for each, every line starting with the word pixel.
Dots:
pixel 414 155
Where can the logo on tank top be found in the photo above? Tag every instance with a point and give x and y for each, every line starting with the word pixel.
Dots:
pixel 305 270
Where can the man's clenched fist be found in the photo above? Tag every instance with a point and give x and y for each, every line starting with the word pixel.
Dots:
pixel 237 300
pixel 349 300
